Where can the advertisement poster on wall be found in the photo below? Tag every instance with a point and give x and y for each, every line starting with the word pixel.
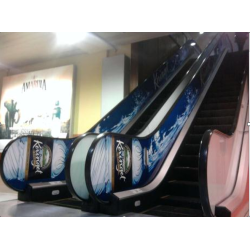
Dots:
pixel 37 103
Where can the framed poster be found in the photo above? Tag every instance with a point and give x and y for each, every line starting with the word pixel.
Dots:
pixel 37 103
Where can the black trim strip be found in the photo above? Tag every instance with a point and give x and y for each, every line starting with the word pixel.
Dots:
pixel 245 74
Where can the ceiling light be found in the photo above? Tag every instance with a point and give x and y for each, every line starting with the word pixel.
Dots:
pixel 192 44
pixel 69 38
pixel 201 32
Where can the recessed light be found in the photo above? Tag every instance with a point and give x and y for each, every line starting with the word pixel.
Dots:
pixel 69 38
pixel 192 44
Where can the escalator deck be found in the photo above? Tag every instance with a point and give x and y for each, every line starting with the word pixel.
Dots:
pixel 181 196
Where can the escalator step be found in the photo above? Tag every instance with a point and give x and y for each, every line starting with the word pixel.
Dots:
pixel 180 201
pixel 226 105
pixel 170 211
pixel 225 88
pixel 201 129
pixel 188 160
pixel 194 138
pixel 221 93
pixel 216 113
pixel 229 78
pixel 221 99
pixel 214 120
pixel 186 173
pixel 192 149
pixel 183 188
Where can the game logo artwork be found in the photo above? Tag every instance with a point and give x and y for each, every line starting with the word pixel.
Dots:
pixel 37 103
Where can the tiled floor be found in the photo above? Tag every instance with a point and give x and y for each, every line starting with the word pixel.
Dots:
pixel 4 188
pixel 6 193
pixel 11 207
pixel 15 208
pixel 8 196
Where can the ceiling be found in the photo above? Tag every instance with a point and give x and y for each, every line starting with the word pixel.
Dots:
pixel 19 49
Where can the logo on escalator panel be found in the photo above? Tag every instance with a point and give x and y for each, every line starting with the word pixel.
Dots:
pixel 41 155
pixel 123 159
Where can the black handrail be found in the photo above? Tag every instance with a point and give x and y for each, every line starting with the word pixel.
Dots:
pixel 203 154
pixel 245 74
pixel 204 197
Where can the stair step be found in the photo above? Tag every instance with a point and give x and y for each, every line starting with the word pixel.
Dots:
pixel 221 99
pixel 179 201
pixel 194 138
pixel 186 173
pixel 229 79
pixel 183 188
pixel 170 211
pixel 214 120
pixel 216 113
pixel 192 149
pixel 219 94
pixel 201 129
pixel 189 160
pixel 226 87
pixel 226 105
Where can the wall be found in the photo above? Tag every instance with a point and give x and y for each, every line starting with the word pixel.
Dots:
pixel 87 101
pixel 115 77
pixel 147 56
pixel 232 39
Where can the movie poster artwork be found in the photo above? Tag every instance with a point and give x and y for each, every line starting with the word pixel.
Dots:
pixel 37 103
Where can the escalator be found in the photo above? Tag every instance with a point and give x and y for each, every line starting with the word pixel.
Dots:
pixel 180 192
pixel 158 173
pixel 117 120
pixel 140 123
pixel 135 126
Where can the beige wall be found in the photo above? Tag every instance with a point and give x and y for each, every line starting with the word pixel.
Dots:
pixel 87 102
